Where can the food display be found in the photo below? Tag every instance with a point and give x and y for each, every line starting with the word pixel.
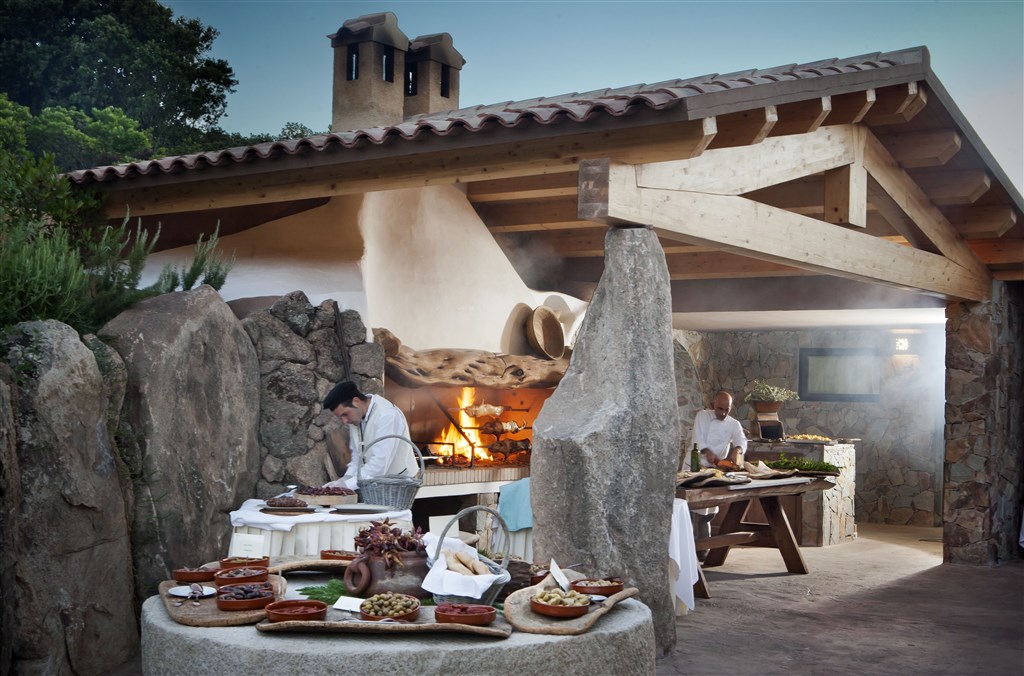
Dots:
pixel 286 502
pixel 464 563
pixel 239 561
pixel 245 596
pixel 400 607
pixel 808 437
pixel 802 464
pixel 297 609
pixel 324 490
pixel 727 466
pixel 465 613
pixel 557 603
pixel 602 587
pixel 194 574
pixel 326 495
pixel 239 575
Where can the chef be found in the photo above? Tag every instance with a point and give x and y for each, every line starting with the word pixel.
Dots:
pixel 719 436
pixel 370 417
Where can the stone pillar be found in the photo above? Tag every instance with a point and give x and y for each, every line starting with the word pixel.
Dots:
pixel 983 436
pixel 606 442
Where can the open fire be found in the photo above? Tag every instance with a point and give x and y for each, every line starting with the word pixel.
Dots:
pixel 477 434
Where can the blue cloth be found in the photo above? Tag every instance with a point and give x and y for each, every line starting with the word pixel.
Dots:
pixel 514 504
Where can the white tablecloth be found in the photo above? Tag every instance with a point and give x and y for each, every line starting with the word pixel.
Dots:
pixel 682 555
pixel 306 534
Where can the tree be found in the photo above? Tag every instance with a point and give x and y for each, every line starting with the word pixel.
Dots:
pixel 129 54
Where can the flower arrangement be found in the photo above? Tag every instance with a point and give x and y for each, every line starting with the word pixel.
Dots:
pixel 762 391
pixel 387 541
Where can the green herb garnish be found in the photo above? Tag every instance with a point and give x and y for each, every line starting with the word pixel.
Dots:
pixel 802 463
pixel 328 593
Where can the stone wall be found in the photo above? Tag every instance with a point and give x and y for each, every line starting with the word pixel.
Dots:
pixel 899 459
pixel 984 439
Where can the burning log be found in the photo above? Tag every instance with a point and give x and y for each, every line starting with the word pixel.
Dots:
pixel 469 368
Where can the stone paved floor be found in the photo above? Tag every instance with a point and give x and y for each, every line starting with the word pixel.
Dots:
pixel 882 604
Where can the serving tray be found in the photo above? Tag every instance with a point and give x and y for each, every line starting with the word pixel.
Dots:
pixel 341 622
pixel 520 616
pixel 207 614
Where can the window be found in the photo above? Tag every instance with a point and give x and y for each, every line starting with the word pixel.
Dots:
pixel 352 63
pixel 446 80
pixel 411 78
pixel 388 63
pixel 840 374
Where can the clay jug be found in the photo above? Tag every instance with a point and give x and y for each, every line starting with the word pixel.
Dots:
pixel 367 575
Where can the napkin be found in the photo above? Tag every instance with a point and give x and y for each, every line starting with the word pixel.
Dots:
pixel 439 580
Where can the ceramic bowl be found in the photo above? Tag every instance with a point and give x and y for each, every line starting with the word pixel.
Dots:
pixel 407 617
pixel 538 577
pixel 186 575
pixel 241 575
pixel 463 613
pixel 297 609
pixel 263 595
pixel 586 586
pixel 558 611
pixel 239 561
pixel 337 555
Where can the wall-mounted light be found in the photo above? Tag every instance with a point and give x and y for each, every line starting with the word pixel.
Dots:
pixel 904 341
pixel 902 344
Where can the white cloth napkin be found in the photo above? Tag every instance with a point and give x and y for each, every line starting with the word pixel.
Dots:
pixel 440 580
pixel 249 514
pixel 683 553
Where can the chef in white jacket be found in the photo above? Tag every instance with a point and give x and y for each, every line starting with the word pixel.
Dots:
pixel 370 417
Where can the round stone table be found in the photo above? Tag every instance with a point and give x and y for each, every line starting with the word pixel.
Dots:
pixel 622 642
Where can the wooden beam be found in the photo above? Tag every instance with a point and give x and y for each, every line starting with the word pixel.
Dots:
pixel 954 187
pixel 894 215
pixel 914 203
pixel 1009 275
pixel 896 104
pixel 924 149
pixel 353 174
pixel 734 171
pixel 744 128
pixel 801 117
pixel 999 251
pixel 850 108
pixel 983 222
pixel 846 195
pixel 741 226
pixel 524 187
pixel 583 243
pixel 501 214
pixel 686 266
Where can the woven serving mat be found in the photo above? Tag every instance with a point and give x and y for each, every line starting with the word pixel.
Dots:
pixel 207 614
pixel 341 622
pixel 521 616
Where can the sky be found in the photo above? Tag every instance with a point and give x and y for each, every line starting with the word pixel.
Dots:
pixel 522 49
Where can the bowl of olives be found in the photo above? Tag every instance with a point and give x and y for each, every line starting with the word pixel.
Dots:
pixel 601 586
pixel 252 596
pixel 186 575
pixel 556 603
pixel 240 575
pixel 390 605
pixel 297 609
pixel 239 561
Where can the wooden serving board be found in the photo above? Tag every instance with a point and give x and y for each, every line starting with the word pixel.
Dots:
pixel 284 564
pixel 522 617
pixel 207 614
pixel 342 622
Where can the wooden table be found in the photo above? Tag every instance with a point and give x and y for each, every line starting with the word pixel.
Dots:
pixel 777 533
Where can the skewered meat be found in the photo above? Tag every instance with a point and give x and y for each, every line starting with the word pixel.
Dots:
pixel 509 446
pixel 481 410
pixel 498 427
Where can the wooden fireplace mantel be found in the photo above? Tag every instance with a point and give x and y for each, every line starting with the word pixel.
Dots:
pixel 466 368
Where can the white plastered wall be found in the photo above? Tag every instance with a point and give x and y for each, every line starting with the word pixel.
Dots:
pixel 430 272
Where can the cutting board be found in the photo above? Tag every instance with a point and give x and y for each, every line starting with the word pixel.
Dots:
pixel 207 614
pixel 520 616
pixel 340 622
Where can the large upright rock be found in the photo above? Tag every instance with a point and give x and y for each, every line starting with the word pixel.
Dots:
pixel 192 406
pixel 606 442
pixel 73 565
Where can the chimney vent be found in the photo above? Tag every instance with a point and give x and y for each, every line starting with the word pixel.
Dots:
pixel 432 69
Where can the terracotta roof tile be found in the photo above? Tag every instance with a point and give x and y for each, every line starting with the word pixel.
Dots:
pixel 576 107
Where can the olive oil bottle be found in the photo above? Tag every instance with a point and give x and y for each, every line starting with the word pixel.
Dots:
pixel 695 459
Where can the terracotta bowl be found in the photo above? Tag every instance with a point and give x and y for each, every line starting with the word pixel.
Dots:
pixel 538 577
pixel 604 590
pixel 202 575
pixel 462 613
pixel 297 609
pixel 239 561
pixel 337 555
pixel 558 611
pixel 265 597
pixel 407 617
pixel 241 575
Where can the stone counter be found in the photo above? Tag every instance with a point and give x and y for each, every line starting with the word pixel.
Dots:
pixel 826 517
pixel 622 642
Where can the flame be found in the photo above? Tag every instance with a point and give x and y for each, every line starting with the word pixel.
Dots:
pixel 458 444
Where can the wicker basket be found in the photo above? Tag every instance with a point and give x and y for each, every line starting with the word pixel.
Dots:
pixel 501 570
pixel 394 491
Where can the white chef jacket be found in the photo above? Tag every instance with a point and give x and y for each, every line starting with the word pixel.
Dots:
pixel 719 436
pixel 384 458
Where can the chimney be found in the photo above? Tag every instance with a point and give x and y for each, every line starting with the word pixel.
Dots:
pixel 369 69
pixel 432 69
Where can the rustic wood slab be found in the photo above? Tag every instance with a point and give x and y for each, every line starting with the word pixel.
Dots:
pixel 520 616
pixel 207 614
pixel 284 564
pixel 341 622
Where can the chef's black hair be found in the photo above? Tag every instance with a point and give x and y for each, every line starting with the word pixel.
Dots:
pixel 342 394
